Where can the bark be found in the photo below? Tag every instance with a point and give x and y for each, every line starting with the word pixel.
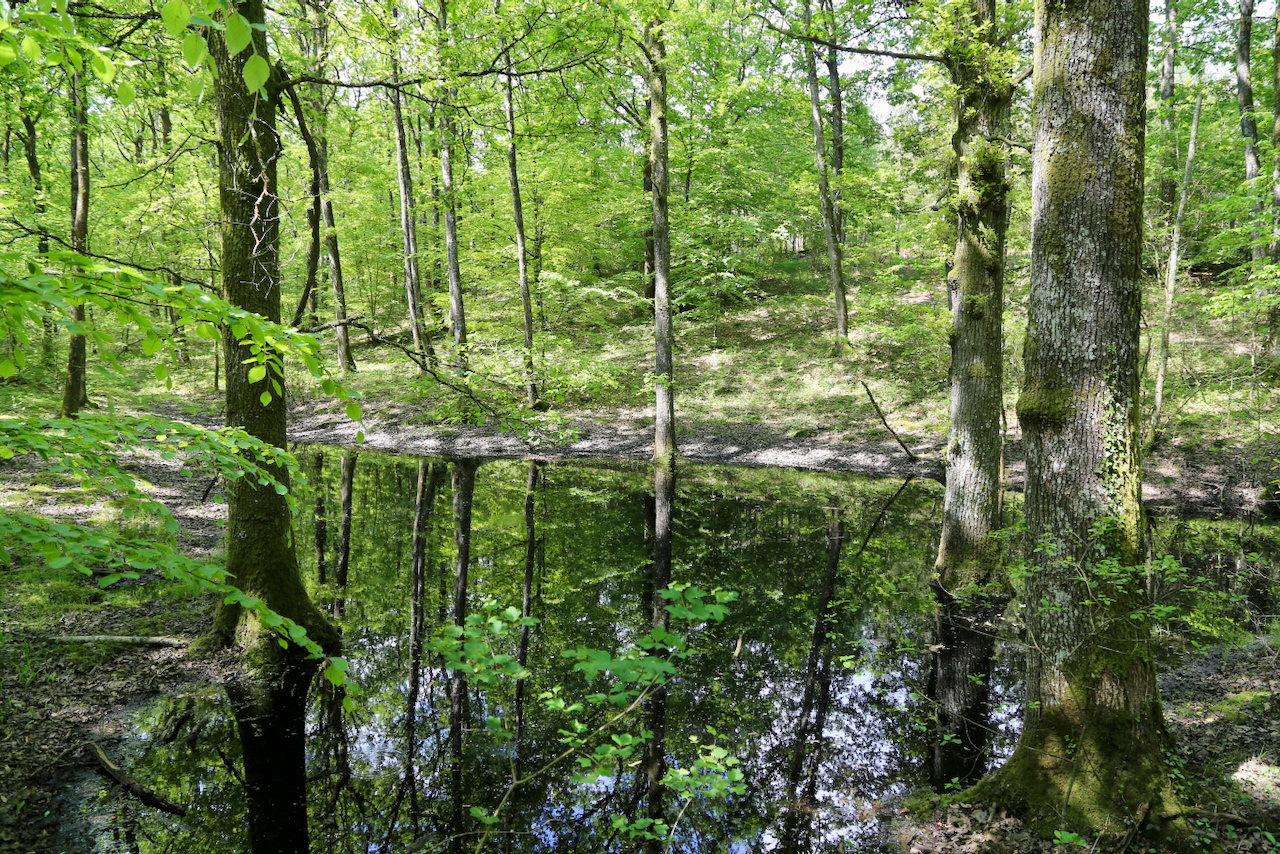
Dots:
pixel 1272 354
pixel 830 229
pixel 320 517
pixel 1248 121
pixel 319 52
pixel 664 440
pixel 457 312
pixel 75 393
pixel 969 557
pixel 408 231
pixel 526 596
pixel 959 686
pixel 1171 273
pixel 522 252
pixel 346 492
pixel 260 553
pixel 836 93
pixel 1091 750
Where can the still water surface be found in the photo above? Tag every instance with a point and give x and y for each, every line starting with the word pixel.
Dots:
pixel 817 681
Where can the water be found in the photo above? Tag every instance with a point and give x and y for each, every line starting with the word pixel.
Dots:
pixel 831 725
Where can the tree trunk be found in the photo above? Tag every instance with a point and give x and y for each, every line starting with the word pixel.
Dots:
pixel 464 487
pixel 408 231
pixel 969 557
pixel 1171 274
pixel 830 229
pixel 1164 101
pixel 457 313
pixel 1248 121
pixel 654 765
pixel 522 253
pixel 664 440
pixel 75 393
pixel 1272 355
pixel 260 553
pixel 1091 751
pixel 30 151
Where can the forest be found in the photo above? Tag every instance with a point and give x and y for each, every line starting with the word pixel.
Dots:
pixel 658 425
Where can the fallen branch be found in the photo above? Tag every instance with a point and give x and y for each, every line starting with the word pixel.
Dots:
pixel 883 421
pixel 133 640
pixel 132 786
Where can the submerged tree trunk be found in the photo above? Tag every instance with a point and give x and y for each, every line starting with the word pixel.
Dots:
pixel 75 392
pixel 464 487
pixel 654 765
pixel 830 228
pixel 969 557
pixel 1091 751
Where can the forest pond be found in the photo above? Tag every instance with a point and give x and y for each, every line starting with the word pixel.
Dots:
pixel 820 680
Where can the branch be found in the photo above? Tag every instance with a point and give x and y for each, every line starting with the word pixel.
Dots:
pixel 132 786
pixel 913 457
pixel 861 51
pixel 131 640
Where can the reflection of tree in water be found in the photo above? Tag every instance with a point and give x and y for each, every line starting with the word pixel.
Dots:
pixel 568 545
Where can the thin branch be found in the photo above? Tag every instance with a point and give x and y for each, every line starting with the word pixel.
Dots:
pixel 844 48
pixel 885 422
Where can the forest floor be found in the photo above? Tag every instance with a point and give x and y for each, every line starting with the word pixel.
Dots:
pixel 59 699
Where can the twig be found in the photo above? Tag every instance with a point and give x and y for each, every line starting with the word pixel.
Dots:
pixel 883 421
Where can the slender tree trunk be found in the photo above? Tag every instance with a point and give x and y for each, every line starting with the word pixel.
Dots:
pixel 1272 355
pixel 1171 273
pixel 30 151
pixel 75 393
pixel 835 90
pixel 408 231
pixel 1248 121
pixel 320 517
pixel 664 443
pixel 346 494
pixel 526 596
pixel 969 557
pixel 522 253
pixel 457 312
pixel 1091 751
pixel 1165 107
pixel 830 229
pixel 464 485
pixel 655 755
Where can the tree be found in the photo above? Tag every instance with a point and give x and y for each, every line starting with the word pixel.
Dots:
pixel 1091 750
pixel 75 393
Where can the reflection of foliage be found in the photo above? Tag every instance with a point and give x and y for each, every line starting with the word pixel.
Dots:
pixel 759 532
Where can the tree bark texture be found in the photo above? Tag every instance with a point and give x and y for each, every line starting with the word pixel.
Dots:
pixel 1091 747
pixel 449 196
pixel 517 210
pixel 664 440
pixel 75 392
pixel 259 544
pixel 968 555
pixel 409 232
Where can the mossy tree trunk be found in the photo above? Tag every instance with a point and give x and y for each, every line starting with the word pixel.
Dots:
pixel 968 556
pixel 260 547
pixel 1091 752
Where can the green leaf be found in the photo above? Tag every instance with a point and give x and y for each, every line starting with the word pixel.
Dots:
pixel 238 33
pixel 257 373
pixel 162 372
pixel 151 344
pixel 256 72
pixel 354 411
pixel 265 398
pixel 103 67
pixel 7 369
pixel 31 49
pixel 175 15
pixel 125 94
pixel 193 49
pixel 7 53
